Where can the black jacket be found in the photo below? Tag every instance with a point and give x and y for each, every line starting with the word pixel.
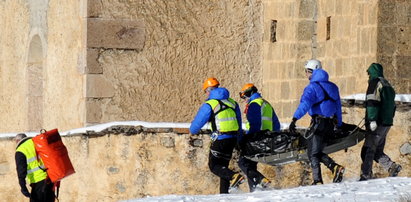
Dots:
pixel 21 167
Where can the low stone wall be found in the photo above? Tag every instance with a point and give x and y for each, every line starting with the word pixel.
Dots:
pixel 132 162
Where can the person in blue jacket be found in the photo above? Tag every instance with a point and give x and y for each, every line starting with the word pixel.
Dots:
pixel 261 118
pixel 224 115
pixel 321 99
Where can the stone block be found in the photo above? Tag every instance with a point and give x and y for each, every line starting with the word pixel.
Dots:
pixel 403 67
pixel 167 142
pixel 93 111
pixel 115 33
pixel 405 149
pixel 386 10
pixel 307 9
pixel 322 29
pixel 4 168
pixel 403 11
pixel 305 30
pixel 98 86
pixel 94 8
pixel 93 66
pixel 285 90
pixel 404 40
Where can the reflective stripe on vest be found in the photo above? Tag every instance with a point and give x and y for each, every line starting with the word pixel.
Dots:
pixel 35 166
pixel 225 119
pixel 266 114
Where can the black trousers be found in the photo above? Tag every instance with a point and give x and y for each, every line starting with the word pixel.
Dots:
pixel 316 144
pixel 218 160
pixel 42 191
pixel 250 169
pixel 373 150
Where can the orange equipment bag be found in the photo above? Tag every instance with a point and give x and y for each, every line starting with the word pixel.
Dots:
pixel 54 154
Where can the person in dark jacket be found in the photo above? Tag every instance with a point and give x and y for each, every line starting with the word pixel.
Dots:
pixel 28 165
pixel 380 111
pixel 224 115
pixel 261 118
pixel 321 99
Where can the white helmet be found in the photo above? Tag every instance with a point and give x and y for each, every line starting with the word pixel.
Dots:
pixel 312 65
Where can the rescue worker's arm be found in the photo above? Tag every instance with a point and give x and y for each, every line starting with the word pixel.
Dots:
pixel 254 118
pixel 307 100
pixel 21 167
pixel 276 122
pixel 202 117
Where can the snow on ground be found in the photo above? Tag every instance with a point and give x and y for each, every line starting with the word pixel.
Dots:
pixel 385 189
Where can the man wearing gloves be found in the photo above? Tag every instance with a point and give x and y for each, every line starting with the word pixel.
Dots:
pixel 224 115
pixel 380 111
pixel 321 99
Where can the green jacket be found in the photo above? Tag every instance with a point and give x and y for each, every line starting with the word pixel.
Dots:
pixel 380 104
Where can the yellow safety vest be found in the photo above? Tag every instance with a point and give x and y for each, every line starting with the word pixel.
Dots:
pixel 266 114
pixel 35 166
pixel 224 115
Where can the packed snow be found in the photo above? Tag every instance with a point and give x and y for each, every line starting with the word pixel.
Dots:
pixel 385 189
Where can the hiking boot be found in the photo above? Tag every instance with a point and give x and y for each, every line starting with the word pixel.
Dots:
pixel 265 182
pixel 338 173
pixel 317 182
pixel 236 180
pixel 365 177
pixel 394 170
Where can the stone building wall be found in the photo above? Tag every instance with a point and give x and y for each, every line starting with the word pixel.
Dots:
pixel 342 34
pixel 41 65
pixel 394 39
pixel 178 44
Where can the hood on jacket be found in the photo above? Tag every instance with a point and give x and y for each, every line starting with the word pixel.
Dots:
pixel 319 75
pixel 219 94
pixel 375 70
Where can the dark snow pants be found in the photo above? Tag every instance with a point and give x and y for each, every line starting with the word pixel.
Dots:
pixel 373 150
pixel 218 160
pixel 250 169
pixel 316 144
pixel 42 191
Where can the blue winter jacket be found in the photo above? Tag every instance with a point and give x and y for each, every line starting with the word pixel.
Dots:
pixel 254 116
pixel 205 112
pixel 314 99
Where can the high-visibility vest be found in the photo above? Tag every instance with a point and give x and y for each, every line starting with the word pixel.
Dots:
pixel 35 166
pixel 266 114
pixel 225 119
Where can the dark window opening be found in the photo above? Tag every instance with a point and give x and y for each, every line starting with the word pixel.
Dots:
pixel 273 29
pixel 328 28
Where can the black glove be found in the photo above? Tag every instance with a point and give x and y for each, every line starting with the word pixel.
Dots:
pixel 25 192
pixel 292 126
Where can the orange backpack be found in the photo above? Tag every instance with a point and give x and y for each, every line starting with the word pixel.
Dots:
pixel 54 154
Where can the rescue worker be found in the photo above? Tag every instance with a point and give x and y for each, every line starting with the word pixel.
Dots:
pixel 224 115
pixel 379 115
pixel 261 118
pixel 321 99
pixel 30 166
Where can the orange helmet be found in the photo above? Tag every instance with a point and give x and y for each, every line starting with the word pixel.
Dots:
pixel 210 82
pixel 247 90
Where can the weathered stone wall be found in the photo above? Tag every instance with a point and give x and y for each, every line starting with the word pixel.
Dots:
pixel 41 65
pixel 14 18
pixel 346 45
pixel 133 162
pixel 394 42
pixel 184 42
